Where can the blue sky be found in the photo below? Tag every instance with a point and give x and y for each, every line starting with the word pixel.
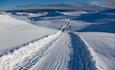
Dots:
pixel 5 4
pixel 14 3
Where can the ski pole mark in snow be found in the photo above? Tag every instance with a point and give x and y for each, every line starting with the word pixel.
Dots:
pixel 80 58
pixel 19 58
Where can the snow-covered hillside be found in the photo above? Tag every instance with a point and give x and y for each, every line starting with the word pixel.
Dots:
pixel 14 33
pixel 62 51
pixel 102 48
pixel 27 44
pixel 82 21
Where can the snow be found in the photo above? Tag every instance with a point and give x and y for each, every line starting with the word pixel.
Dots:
pixel 30 14
pixel 56 24
pixel 17 59
pixel 42 48
pixel 73 13
pixel 16 32
pixel 81 58
pixel 26 16
pixel 56 57
pixel 36 14
pixel 101 46
pixel 59 51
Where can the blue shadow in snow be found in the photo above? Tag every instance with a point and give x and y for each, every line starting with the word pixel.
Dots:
pixel 106 27
pixel 80 59
pixel 50 14
pixel 95 16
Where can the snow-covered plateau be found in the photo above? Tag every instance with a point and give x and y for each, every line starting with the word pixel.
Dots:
pixel 56 41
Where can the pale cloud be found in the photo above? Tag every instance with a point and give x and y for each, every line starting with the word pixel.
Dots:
pixel 104 3
pixel 111 2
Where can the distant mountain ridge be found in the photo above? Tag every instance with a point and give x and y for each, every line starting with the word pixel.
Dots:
pixel 61 7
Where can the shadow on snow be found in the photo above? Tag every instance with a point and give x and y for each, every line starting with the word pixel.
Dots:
pixel 80 59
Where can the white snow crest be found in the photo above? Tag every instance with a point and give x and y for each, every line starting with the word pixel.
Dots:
pixel 57 56
pixel 10 61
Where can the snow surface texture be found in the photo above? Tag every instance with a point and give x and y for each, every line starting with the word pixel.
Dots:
pixel 49 55
pixel 81 21
pixel 15 32
pixel 25 57
pixel 62 50
pixel 102 48
pixel 74 13
pixel 53 21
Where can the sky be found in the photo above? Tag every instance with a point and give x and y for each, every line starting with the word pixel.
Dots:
pixel 11 3
pixel 104 3
pixel 6 4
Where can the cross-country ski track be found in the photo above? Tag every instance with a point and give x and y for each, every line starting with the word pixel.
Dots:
pixel 59 51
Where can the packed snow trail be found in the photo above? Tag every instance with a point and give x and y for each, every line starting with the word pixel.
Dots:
pixel 102 48
pixel 17 59
pixel 68 52
pixel 80 58
pixel 57 56
pixel 60 51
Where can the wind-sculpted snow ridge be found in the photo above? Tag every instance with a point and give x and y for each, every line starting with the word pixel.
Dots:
pixel 24 58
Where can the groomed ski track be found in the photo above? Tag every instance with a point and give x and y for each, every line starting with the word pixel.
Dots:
pixel 59 51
